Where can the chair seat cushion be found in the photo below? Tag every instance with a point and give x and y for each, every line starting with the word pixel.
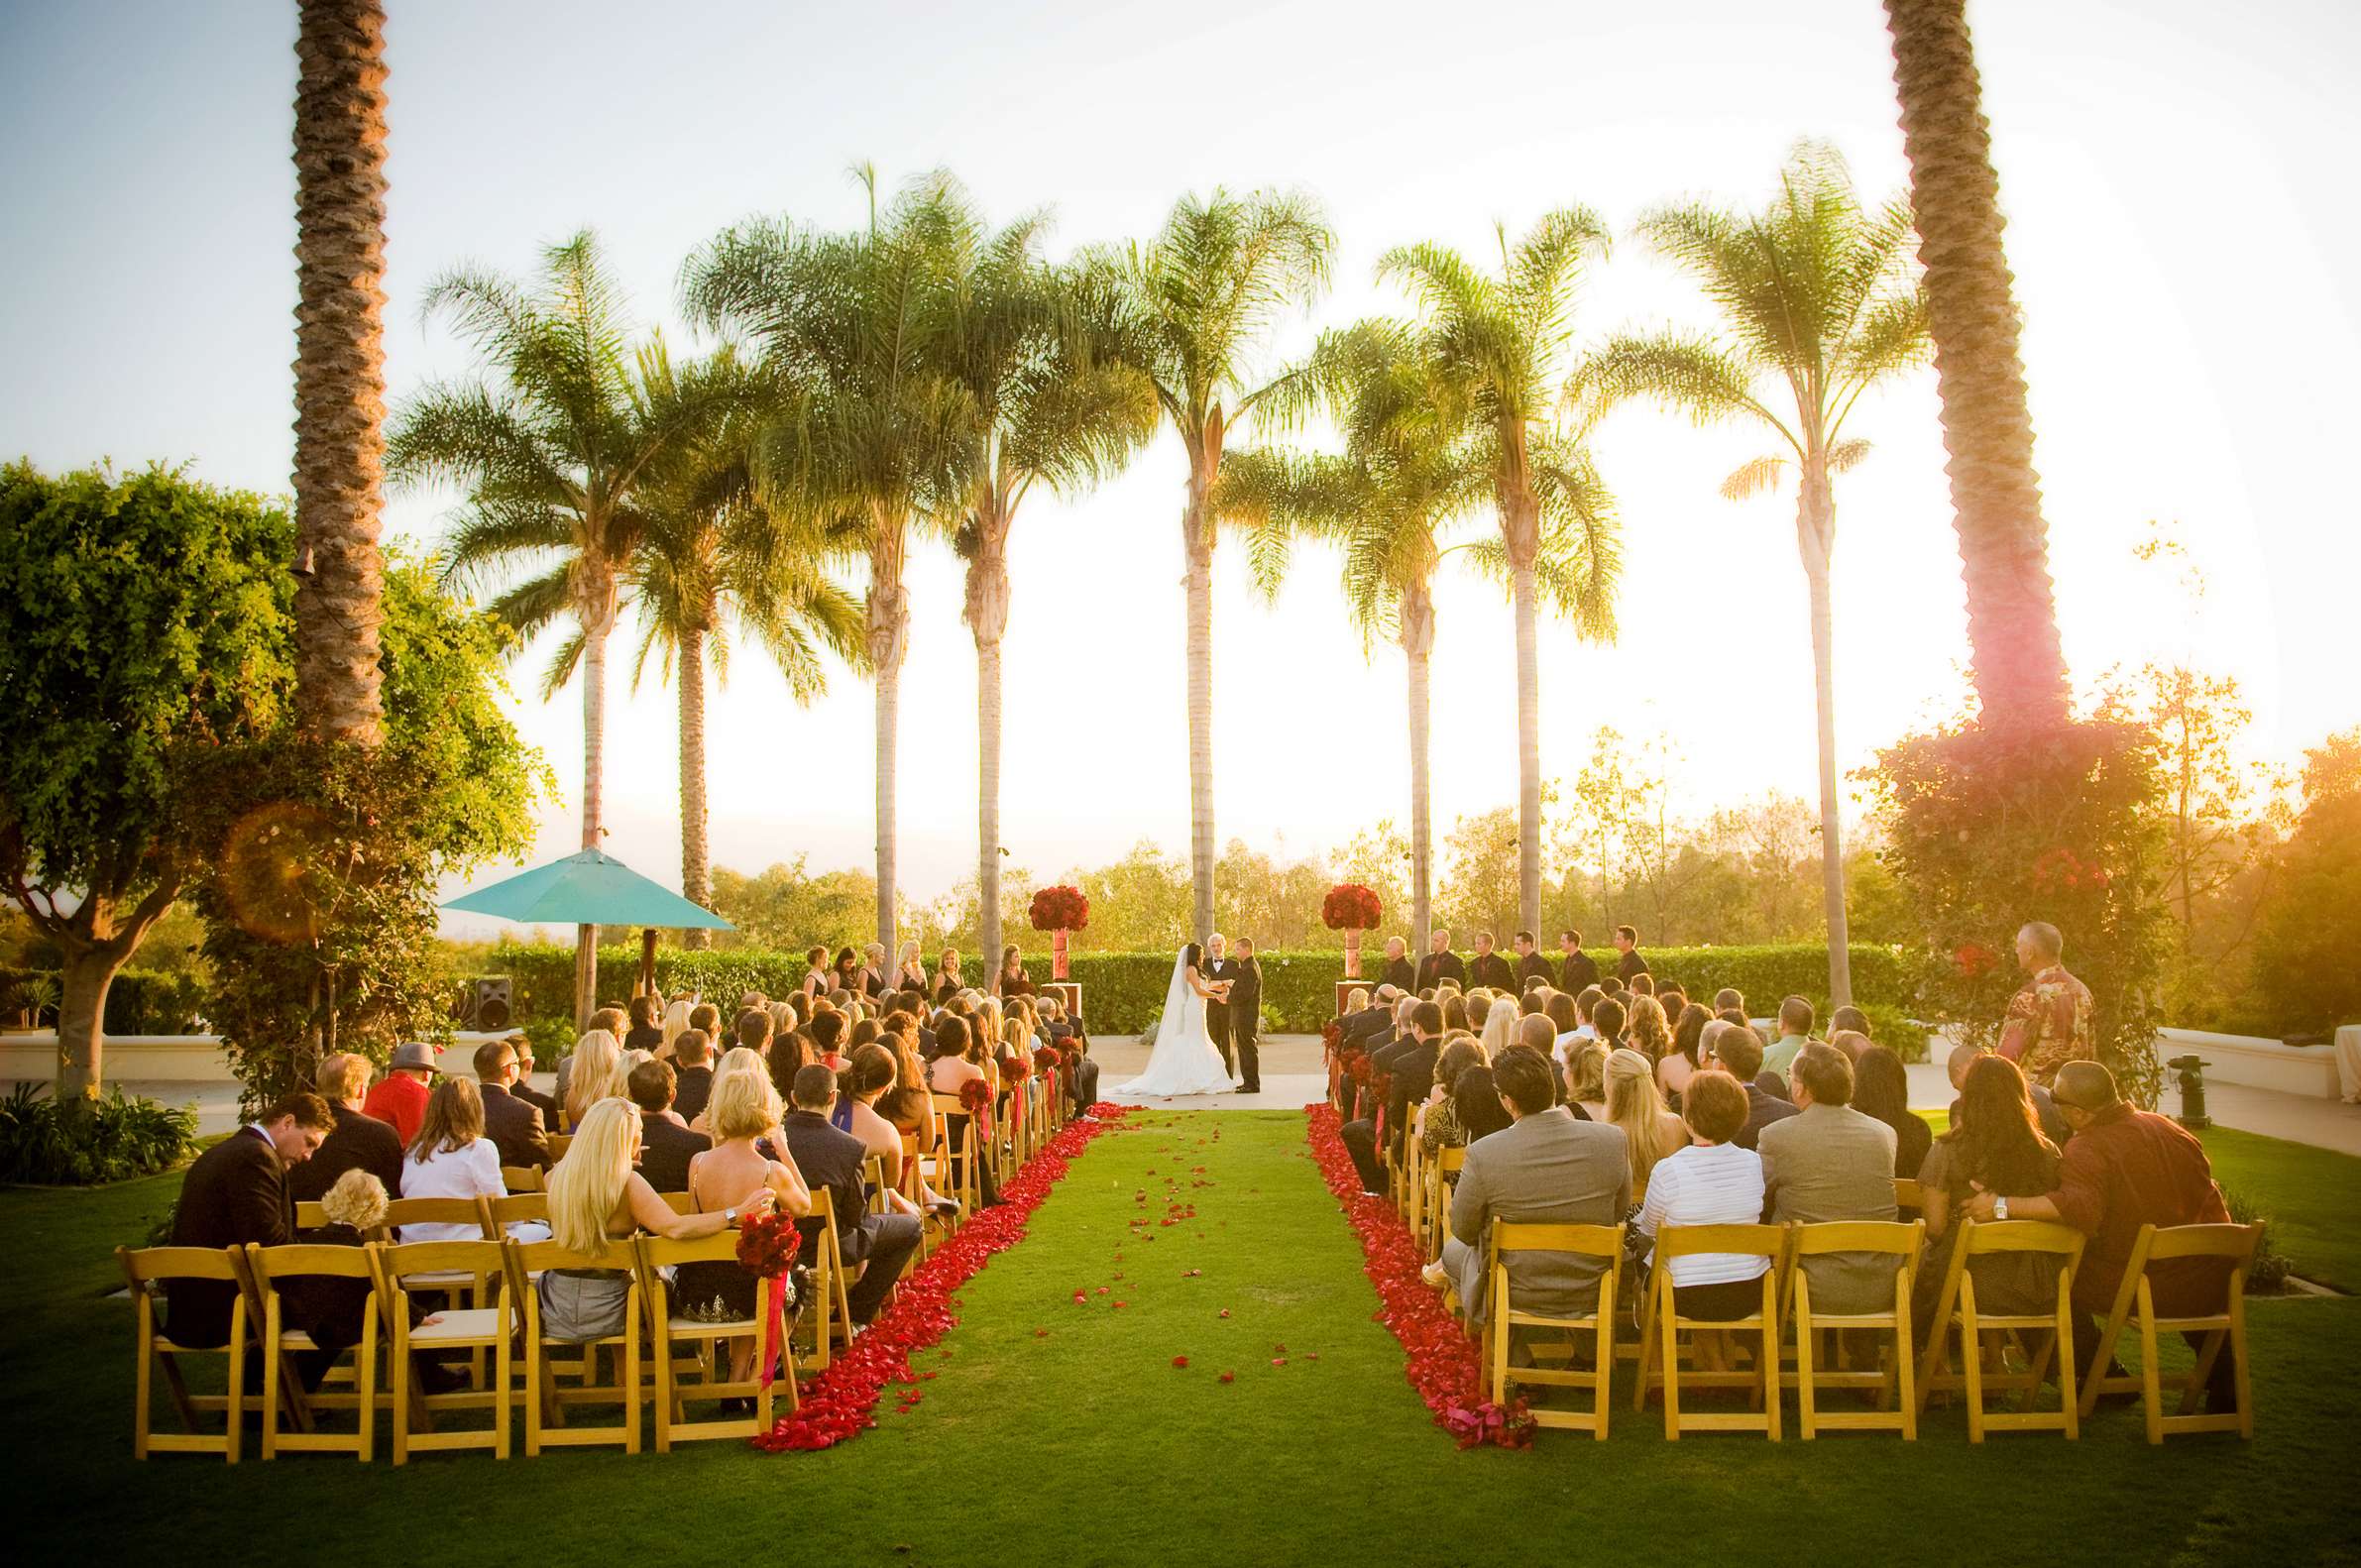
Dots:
pixel 465 1324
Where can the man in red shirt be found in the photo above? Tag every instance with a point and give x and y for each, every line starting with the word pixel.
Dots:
pixel 2124 1168
pixel 399 1097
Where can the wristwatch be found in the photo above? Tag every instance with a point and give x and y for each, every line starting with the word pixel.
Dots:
pixel 2000 1208
pixel 729 1216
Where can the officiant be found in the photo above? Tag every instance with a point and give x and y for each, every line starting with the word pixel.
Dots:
pixel 1219 967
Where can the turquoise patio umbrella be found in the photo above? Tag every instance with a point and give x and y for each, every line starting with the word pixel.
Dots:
pixel 592 889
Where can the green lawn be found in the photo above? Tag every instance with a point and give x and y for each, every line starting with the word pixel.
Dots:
pixel 1086 1445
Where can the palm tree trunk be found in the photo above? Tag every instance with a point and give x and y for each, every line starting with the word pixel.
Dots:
pixel 988 617
pixel 596 624
pixel 1987 429
pixel 340 383
pixel 696 863
pixel 1523 525
pixel 1197 543
pixel 1815 528
pixel 1418 643
pixel 888 636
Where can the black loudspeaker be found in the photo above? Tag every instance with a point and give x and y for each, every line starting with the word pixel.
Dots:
pixel 491 1004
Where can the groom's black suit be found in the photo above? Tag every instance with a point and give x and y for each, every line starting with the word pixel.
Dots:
pixel 1246 1012
pixel 1217 1014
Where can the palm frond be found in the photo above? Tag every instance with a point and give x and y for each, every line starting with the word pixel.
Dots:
pixel 1753 476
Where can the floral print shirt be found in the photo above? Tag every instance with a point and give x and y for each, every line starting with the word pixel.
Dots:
pixel 2048 1025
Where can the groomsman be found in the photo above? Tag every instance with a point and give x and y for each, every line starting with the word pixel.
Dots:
pixel 1398 971
pixel 1626 942
pixel 1578 971
pixel 1532 963
pixel 1487 968
pixel 1217 1014
pixel 1440 964
pixel 1246 1011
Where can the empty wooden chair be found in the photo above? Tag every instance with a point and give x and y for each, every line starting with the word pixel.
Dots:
pixel 1897 1400
pixel 2043 1336
pixel 959 1177
pixel 829 1314
pixel 485 1331
pixel 684 1337
pixel 1502 1320
pixel 2222 1330
pixel 1662 1338
pixel 146 1270
pixel 268 1268
pixel 545 1423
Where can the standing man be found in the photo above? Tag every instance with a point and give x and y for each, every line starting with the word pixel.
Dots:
pixel 1218 967
pixel 1440 964
pixel 1489 967
pixel 1399 973
pixel 1531 964
pixel 236 1194
pixel 1246 1017
pixel 2049 1019
pixel 1626 942
pixel 1578 971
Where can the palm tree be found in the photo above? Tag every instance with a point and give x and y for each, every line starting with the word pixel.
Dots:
pixel 1816 298
pixel 1987 429
pixel 873 430
pixel 1199 299
pixel 340 381
pixel 1391 501
pixel 553 449
pixel 1033 347
pixel 715 555
pixel 1496 346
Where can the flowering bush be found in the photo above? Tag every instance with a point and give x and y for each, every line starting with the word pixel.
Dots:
pixel 1060 909
pixel 1350 906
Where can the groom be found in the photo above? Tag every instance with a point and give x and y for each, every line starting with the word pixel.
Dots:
pixel 1218 969
pixel 1246 1015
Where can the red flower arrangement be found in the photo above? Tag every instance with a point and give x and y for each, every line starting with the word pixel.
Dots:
pixel 1445 1366
pixel 767 1244
pixel 1350 906
pixel 1046 1059
pixel 840 1404
pixel 1060 909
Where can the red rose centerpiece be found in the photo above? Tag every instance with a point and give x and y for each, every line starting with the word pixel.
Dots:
pixel 1352 909
pixel 1058 910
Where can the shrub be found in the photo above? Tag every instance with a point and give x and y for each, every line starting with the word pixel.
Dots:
pixel 2269 1274
pixel 82 1143
pixel 140 1002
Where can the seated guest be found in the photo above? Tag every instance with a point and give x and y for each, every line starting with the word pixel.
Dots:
pixel 1478 1008
pixel 961 1064
pixel 521 1044
pixel 1729 999
pixel 874 1246
pixel 1500 1030
pixel 1375 1018
pixel 1422 1025
pixel 1438 1125
pixel 360 1142
pixel 731 1175
pixel 753 1029
pixel 666 1145
pixel 1994 1145
pixel 236 1192
pixel 1535 1032
pixel 1673 996
pixel 1650 1132
pixel 1487 968
pixel 2044 1109
pixel 693 1072
pixel 513 1126
pixel 1566 1018
pixel 1738 1050
pixel 329 1307
pixel 1795 1033
pixel 1544 1169
pixel 705 1016
pixel 1852 1041
pixel 1647 1032
pixel 1882 1089
pixel 872 1070
pixel 827 1030
pixel 1711 1181
pixel 1586 1077
pixel 2123 1168
pixel 596 1072
pixel 1829 1161
pixel 451 1157
pixel 647 1029
pixel 1846 1017
pixel 676 1019
pixel 613 1022
pixel 399 1098
pixel 1682 1061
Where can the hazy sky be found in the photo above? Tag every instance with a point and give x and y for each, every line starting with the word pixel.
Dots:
pixel 2167 170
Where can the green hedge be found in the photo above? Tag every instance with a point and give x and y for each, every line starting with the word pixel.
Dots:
pixel 140 1002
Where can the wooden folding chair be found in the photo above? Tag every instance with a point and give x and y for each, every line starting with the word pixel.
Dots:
pixel 1413 1183
pixel 487 1331
pixel 545 1423
pixel 1956 1308
pixel 281 1390
pixel 1442 1180
pixel 829 1316
pixel 1897 1400
pixel 521 1179
pixel 559 1143
pixel 2234 1243
pixel 1502 1320
pixel 957 1154
pixel 1762 1383
pixel 872 1183
pixel 687 1342
pixel 1910 1199
pixel 146 1270
pixel 501 1212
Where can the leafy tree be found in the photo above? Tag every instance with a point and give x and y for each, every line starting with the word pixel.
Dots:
pixel 788 908
pixel 1140 903
pixel 139 616
pixel 2303 967
pixel 1815 298
pixel 1480 885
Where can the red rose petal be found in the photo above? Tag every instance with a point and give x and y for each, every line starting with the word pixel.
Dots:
pixel 1229 1377
pixel 1179 1361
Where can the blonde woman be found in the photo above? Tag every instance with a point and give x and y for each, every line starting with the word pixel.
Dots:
pixel 948 982
pixel 737 1058
pixel 1500 1031
pixel 910 974
pixel 731 1175
pixel 1585 1078
pixel 1650 1132
pixel 676 1019
pixel 325 1307
pixel 451 1157
pixel 598 1073
pixel 597 1199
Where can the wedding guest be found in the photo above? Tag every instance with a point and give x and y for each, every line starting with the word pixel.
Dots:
pixel 872 971
pixel 360 1142
pixel 1673 996
pixel 612 1021
pixel 647 1029
pixel 1577 970
pixel 1533 964
pixel 451 1157
pixel 399 1098
pixel 1729 999
pixel 2045 1110
pixel 523 1088
pixel 236 1192
pixel 1399 973
pixel 753 1029
pixel 1795 1033
pixel 2049 1019
pixel 1852 1041
pixel 1629 963
pixel 693 1073
pixel 1881 1090
pixel 513 1126
pixel 328 1307
pixel 1409 1061
pixel 845 976
pixel 1586 1077
pixel 1543 1169
pixel 676 1019
pixel 1487 968
pixel 1682 1061
pixel 1647 1032
pixel 598 1074
pixel 1644 985
pixel 910 970
pixel 1499 1028
pixel 827 1030
pixel 1711 1181
pixel 1650 1132
pixel 814 979
pixel 1377 1017
pixel 1480 1005
pixel 1995 1145
pixel 1847 1016
pixel 1440 962
pixel 1438 1125
pixel 873 1246
pixel 666 1145
pixel 1829 1161
pixel 1565 1020
pixel 875 1073
pixel 733 1173
pixel 1738 1050
pixel 706 1016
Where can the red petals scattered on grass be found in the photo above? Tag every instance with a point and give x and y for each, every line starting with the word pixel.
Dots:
pixel 1229 1377
pixel 1181 1361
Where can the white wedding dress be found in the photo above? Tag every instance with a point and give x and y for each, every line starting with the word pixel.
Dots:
pixel 1183 1060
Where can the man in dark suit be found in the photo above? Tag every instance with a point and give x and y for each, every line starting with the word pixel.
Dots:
pixel 1532 963
pixel 1440 964
pixel 1738 1050
pixel 1577 970
pixel 874 1243
pixel 1402 1059
pixel 1399 972
pixel 359 1143
pixel 1626 942
pixel 1246 1016
pixel 691 1074
pixel 513 1126
pixel 524 1088
pixel 237 1194
pixel 665 1145
pixel 1219 967
pixel 1487 968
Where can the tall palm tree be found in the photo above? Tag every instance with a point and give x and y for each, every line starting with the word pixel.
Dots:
pixel 1200 297
pixel 1987 427
pixel 553 447
pixel 1407 477
pixel 1498 346
pixel 873 430
pixel 1816 300
pixel 340 379
pixel 716 554
pixel 1035 349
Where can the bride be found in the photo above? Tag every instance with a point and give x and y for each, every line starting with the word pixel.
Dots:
pixel 1183 1060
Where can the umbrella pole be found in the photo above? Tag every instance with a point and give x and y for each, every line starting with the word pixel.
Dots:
pixel 648 962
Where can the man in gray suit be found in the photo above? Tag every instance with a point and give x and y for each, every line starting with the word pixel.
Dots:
pixel 1544 1169
pixel 1829 1161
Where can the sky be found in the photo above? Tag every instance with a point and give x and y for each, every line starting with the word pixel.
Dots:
pixel 2163 169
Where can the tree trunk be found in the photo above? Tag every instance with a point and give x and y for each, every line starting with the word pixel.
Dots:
pixel 696 862
pixel 340 384
pixel 1418 644
pixel 596 621
pixel 1815 527
pixel 988 617
pixel 1197 543
pixel 2012 620
pixel 1524 516
pixel 888 637
pixel 81 1018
